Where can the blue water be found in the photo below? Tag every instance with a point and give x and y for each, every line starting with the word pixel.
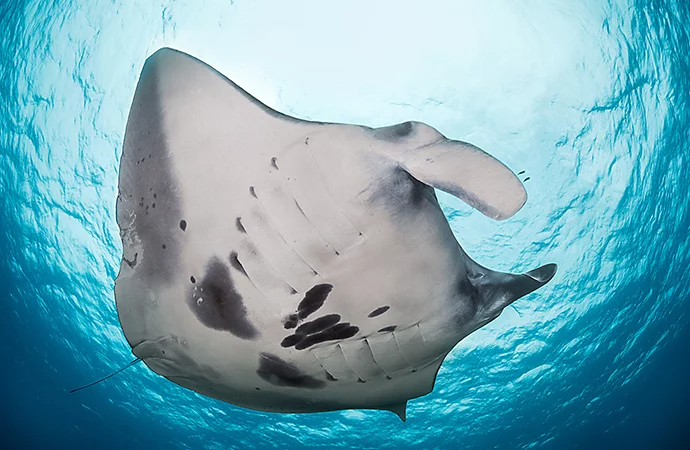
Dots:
pixel 590 98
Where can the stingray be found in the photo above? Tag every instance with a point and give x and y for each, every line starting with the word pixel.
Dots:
pixel 294 266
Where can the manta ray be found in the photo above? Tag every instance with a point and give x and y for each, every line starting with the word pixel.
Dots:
pixel 295 266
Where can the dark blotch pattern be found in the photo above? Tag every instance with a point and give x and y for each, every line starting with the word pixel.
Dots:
pixel 277 372
pixel 146 174
pixel 388 329
pixel 217 304
pixel 183 225
pixel 291 321
pixel 313 300
pixel 192 279
pixel 291 340
pixel 324 328
pixel 379 311
pixel 335 333
pixel 319 324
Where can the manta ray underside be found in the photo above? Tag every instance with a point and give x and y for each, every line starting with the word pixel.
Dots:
pixel 293 266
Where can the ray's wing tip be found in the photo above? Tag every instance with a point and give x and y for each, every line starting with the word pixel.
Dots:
pixel 399 410
pixel 165 52
pixel 544 274
pixel 162 56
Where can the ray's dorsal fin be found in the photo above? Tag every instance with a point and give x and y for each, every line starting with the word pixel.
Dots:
pixel 106 377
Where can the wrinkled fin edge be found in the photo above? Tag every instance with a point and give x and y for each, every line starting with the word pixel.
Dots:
pixel 106 377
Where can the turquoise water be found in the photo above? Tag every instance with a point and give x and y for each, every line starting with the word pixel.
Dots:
pixel 591 99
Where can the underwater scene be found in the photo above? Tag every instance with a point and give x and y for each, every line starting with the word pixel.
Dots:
pixel 259 224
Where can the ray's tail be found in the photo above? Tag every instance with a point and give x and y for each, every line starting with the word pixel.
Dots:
pixel 106 377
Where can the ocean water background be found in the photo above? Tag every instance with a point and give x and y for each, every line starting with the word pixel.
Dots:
pixel 590 98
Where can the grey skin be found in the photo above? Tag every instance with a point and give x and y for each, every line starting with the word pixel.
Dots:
pixel 293 266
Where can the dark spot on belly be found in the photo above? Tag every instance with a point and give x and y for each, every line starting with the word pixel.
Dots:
pixel 388 329
pixel 183 225
pixel 379 311
pixel 313 300
pixel 218 305
pixel 236 264
pixel 319 324
pixel 291 340
pixel 335 333
pixel 291 321
pixel 240 227
pixel 277 372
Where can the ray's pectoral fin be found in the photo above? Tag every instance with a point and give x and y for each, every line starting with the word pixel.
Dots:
pixel 399 409
pixel 469 173
pixel 498 289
